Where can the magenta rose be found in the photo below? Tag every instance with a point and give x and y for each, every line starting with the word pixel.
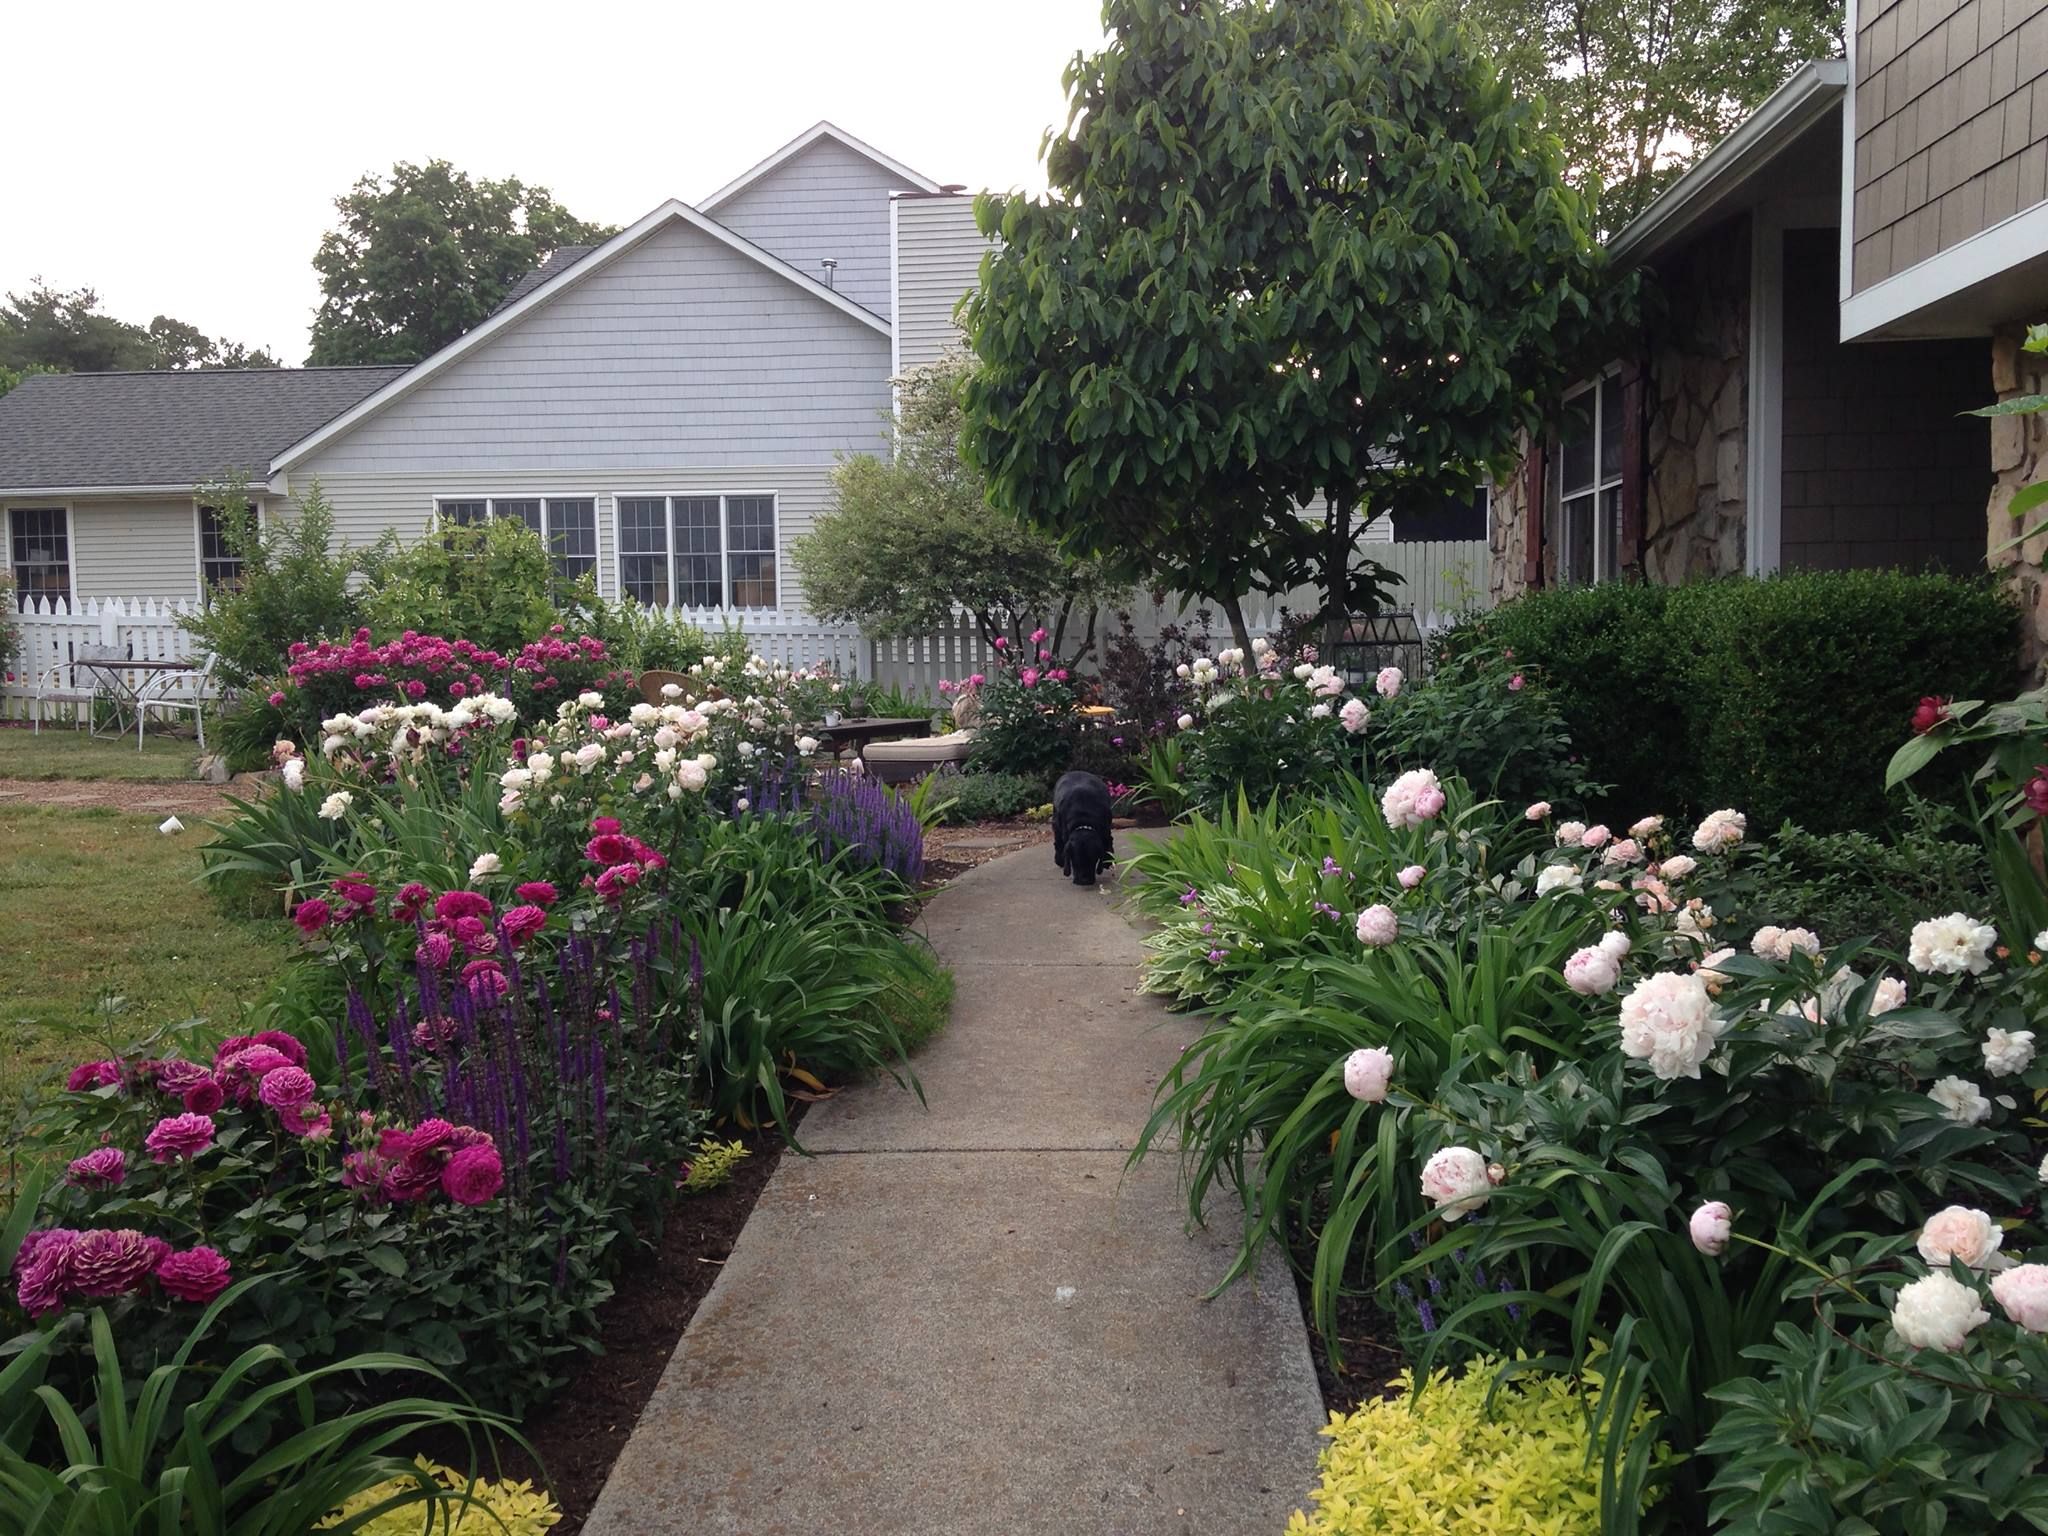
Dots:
pixel 287 1088
pixel 177 1078
pixel 485 980
pixel 437 949
pixel 258 1060
pixel 473 1175
pixel 101 1168
pixel 522 923
pixel 42 1269
pixel 538 892
pixel 205 1096
pixel 355 889
pixel 308 1120
pixel 429 1136
pixel 312 915
pixel 412 896
pixel 113 1263
pixel 89 1075
pixel 193 1274
pixel 286 1045
pixel 457 904
pixel 180 1136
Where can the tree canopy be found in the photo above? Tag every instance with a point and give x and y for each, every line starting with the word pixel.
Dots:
pixel 48 330
pixel 909 538
pixel 1288 252
pixel 421 257
pixel 1639 89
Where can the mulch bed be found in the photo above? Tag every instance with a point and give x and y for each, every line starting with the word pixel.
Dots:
pixel 582 1429
pixel 950 852
pixel 1372 1355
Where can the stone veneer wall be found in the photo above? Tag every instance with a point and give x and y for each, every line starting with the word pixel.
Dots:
pixel 1697 437
pixel 2019 457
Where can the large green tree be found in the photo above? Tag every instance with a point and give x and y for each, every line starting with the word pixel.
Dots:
pixel 422 256
pixel 1639 89
pixel 50 330
pixel 1289 251
pixel 911 537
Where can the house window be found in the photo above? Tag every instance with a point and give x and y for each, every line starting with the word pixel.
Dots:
pixel 1587 485
pixel 698 551
pixel 39 545
pixel 219 565
pixel 567 525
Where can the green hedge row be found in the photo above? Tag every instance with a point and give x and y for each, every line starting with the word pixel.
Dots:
pixel 1783 697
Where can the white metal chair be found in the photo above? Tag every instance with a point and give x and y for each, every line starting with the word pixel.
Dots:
pixel 71 683
pixel 175 691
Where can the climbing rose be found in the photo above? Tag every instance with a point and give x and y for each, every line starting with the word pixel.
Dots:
pixel 1711 1226
pixel 1389 681
pixel 2022 1292
pixel 1592 972
pixel 1929 713
pixel 473 1175
pixel 193 1274
pixel 1457 1181
pixel 1412 876
pixel 287 1088
pixel 1377 926
pixel 1957 1232
pixel 1558 877
pixel 1354 716
pixel 1412 799
pixel 1537 811
pixel 1722 829
pixel 1367 1073
pixel 2007 1052
pixel 112 1263
pixel 1936 1312
pixel 1960 1100
pixel 101 1168
pixel 185 1135
pixel 1949 946
pixel 1668 1021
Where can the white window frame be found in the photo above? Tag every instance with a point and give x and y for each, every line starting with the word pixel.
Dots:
pixel 1606 560
pixel 491 514
pixel 53 504
pixel 199 538
pixel 725 500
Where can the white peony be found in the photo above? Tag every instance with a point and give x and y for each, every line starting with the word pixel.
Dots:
pixel 1890 994
pixel 1325 682
pixel 590 700
pixel 807 745
pixel 1412 799
pixel 1558 877
pixel 1186 722
pixel 1957 1232
pixel 1774 943
pixel 1377 926
pixel 1368 1072
pixel 1714 980
pixel 2007 1052
pixel 1960 1101
pixel 1952 945
pixel 1722 829
pixel 1457 1181
pixel 1936 1312
pixel 1569 833
pixel 336 805
pixel 484 864
pixel 1668 1021
pixel 2022 1293
pixel 1615 945
pixel 1711 1226
pixel 1354 716
pixel 691 776
pixel 1592 972
pixel 1303 671
pixel 1389 681
pixel 294 771
pixel 1319 711
pixel 1678 866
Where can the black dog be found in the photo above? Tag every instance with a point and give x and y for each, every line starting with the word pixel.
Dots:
pixel 1081 839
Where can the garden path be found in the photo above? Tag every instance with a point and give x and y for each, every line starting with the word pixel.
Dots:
pixel 968 1319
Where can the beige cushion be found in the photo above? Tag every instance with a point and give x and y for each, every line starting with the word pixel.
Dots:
pixel 949 748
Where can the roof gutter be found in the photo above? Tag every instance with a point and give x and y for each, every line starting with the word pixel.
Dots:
pixel 1787 112
pixel 20 493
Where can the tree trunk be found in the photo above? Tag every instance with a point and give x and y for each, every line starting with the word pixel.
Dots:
pixel 1336 573
pixel 1233 610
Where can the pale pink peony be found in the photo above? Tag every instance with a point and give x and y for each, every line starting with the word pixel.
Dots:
pixel 1569 833
pixel 1936 1312
pixel 1354 716
pixel 1537 811
pixel 1890 994
pixel 1412 876
pixel 1678 866
pixel 1721 830
pixel 1715 980
pixel 1368 1072
pixel 1592 972
pixel 1615 945
pixel 1377 926
pixel 1412 799
pixel 1779 944
pixel 1958 1232
pixel 1711 1226
pixel 1667 1020
pixel 2022 1293
pixel 1457 1181
pixel 1595 836
pixel 1389 682
pixel 1623 851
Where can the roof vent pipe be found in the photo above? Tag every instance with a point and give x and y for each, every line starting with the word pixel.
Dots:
pixel 831 266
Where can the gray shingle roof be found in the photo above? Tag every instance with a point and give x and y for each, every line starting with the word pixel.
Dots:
pixel 107 429
pixel 558 261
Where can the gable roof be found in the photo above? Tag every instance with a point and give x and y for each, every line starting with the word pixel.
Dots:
pixel 557 263
pixel 802 142
pixel 546 290
pixel 165 431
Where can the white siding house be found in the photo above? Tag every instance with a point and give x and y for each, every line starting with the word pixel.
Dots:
pixel 938 253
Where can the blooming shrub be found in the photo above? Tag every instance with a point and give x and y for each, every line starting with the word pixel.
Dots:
pixel 1030 723
pixel 1457 1457
pixel 860 818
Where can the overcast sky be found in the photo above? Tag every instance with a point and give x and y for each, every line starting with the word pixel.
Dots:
pixel 183 160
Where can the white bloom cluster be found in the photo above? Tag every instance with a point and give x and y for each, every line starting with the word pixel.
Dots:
pixel 409 731
pixel 1936 1312
pixel 1774 943
pixel 1960 1101
pixel 1668 1021
pixel 1952 945
pixel 1721 830
pixel 1558 877
pixel 1412 799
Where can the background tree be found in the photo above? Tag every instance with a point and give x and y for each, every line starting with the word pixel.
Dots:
pixel 421 258
pixel 1639 89
pixel 910 537
pixel 47 330
pixel 1288 251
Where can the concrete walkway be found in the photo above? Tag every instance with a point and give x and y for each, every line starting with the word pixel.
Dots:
pixel 966 1320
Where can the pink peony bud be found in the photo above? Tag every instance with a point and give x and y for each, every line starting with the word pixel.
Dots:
pixel 1367 1073
pixel 1710 1227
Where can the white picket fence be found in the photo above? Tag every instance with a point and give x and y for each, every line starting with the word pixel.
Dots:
pixel 54 630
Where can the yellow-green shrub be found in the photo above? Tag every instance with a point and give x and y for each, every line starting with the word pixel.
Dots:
pixel 497 1509
pixel 713 1165
pixel 1446 1465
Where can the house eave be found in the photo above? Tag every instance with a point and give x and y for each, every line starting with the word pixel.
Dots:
pixel 1815 90
pixel 24 492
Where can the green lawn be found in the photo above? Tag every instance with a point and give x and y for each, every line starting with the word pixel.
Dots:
pixel 106 938
pixel 59 752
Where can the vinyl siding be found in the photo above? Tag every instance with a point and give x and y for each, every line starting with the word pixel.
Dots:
pixel 681 351
pixel 134 549
pixel 828 200
pixel 365 504
pixel 938 261
pixel 1951 125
